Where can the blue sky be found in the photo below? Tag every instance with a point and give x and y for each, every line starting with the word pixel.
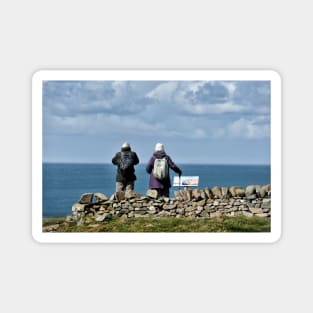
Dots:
pixel 212 122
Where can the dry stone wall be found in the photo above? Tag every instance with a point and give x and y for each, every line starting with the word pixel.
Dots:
pixel 254 200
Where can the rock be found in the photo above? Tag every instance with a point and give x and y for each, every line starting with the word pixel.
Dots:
pixel 120 195
pixel 246 213
pixel 178 195
pixel 256 210
pixel 152 210
pixel 205 214
pixel 100 197
pixel 102 217
pixel 216 214
pixel 251 197
pixel 131 214
pixel 51 228
pixel 196 194
pixel 78 207
pixel 208 192
pixel 237 191
pixel 188 194
pixel 262 214
pixel 152 193
pixel 164 214
pixel 86 198
pixel 250 190
pixel 81 221
pixel 217 192
pixel 169 206
pixel 201 203
pixel 225 193
pixel 130 194
pixel 180 211
pixel 266 204
pixel 203 194
pixel 265 191
pixel 232 191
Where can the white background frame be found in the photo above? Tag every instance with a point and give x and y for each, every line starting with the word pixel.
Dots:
pixel 248 75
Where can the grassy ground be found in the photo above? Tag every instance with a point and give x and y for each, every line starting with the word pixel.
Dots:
pixel 152 224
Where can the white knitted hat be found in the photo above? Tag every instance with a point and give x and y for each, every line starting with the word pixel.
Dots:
pixel 125 145
pixel 159 147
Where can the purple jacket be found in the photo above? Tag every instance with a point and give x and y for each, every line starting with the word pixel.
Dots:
pixel 155 183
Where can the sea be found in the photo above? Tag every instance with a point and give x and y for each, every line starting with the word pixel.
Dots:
pixel 64 183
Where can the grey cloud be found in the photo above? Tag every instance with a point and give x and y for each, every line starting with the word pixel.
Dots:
pixel 64 98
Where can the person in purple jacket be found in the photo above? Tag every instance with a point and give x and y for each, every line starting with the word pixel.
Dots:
pixel 162 186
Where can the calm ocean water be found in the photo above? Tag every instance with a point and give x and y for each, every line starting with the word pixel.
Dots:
pixel 64 183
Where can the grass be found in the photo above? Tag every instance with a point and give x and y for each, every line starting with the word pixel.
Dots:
pixel 152 224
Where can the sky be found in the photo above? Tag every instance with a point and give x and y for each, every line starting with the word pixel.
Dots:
pixel 206 122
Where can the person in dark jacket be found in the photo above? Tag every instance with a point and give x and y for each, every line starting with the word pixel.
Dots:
pixel 162 186
pixel 125 180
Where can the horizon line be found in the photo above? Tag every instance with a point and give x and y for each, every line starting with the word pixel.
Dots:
pixel 183 163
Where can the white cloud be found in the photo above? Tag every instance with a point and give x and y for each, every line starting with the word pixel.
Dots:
pixel 244 128
pixel 219 108
pixel 231 86
pixel 164 91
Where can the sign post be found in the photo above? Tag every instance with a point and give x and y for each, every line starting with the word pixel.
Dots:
pixel 186 181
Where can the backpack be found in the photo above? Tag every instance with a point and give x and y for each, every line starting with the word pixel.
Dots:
pixel 160 169
pixel 125 162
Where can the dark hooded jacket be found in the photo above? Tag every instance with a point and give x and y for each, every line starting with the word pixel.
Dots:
pixel 166 183
pixel 130 174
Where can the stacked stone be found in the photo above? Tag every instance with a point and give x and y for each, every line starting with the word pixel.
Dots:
pixel 254 200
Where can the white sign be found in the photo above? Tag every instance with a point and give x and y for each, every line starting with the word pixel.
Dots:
pixel 186 181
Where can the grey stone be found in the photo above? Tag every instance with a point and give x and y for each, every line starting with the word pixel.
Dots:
pixel 208 192
pixel 266 204
pixel 246 213
pixel 78 207
pixel 201 203
pixel 131 214
pixel 217 192
pixel 225 192
pixel 196 194
pixel 251 197
pixel 102 217
pixel 239 192
pixel 203 194
pixel 120 195
pixel 81 221
pixel 100 197
pixel 187 194
pixel 262 214
pixel 250 190
pixel 152 193
pixel 164 214
pixel 152 209
pixel 256 210
pixel 130 194
pixel 50 228
pixel 180 211
pixel 86 198
pixel 215 214
pixel 169 206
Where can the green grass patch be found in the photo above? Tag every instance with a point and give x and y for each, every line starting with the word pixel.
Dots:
pixel 165 224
